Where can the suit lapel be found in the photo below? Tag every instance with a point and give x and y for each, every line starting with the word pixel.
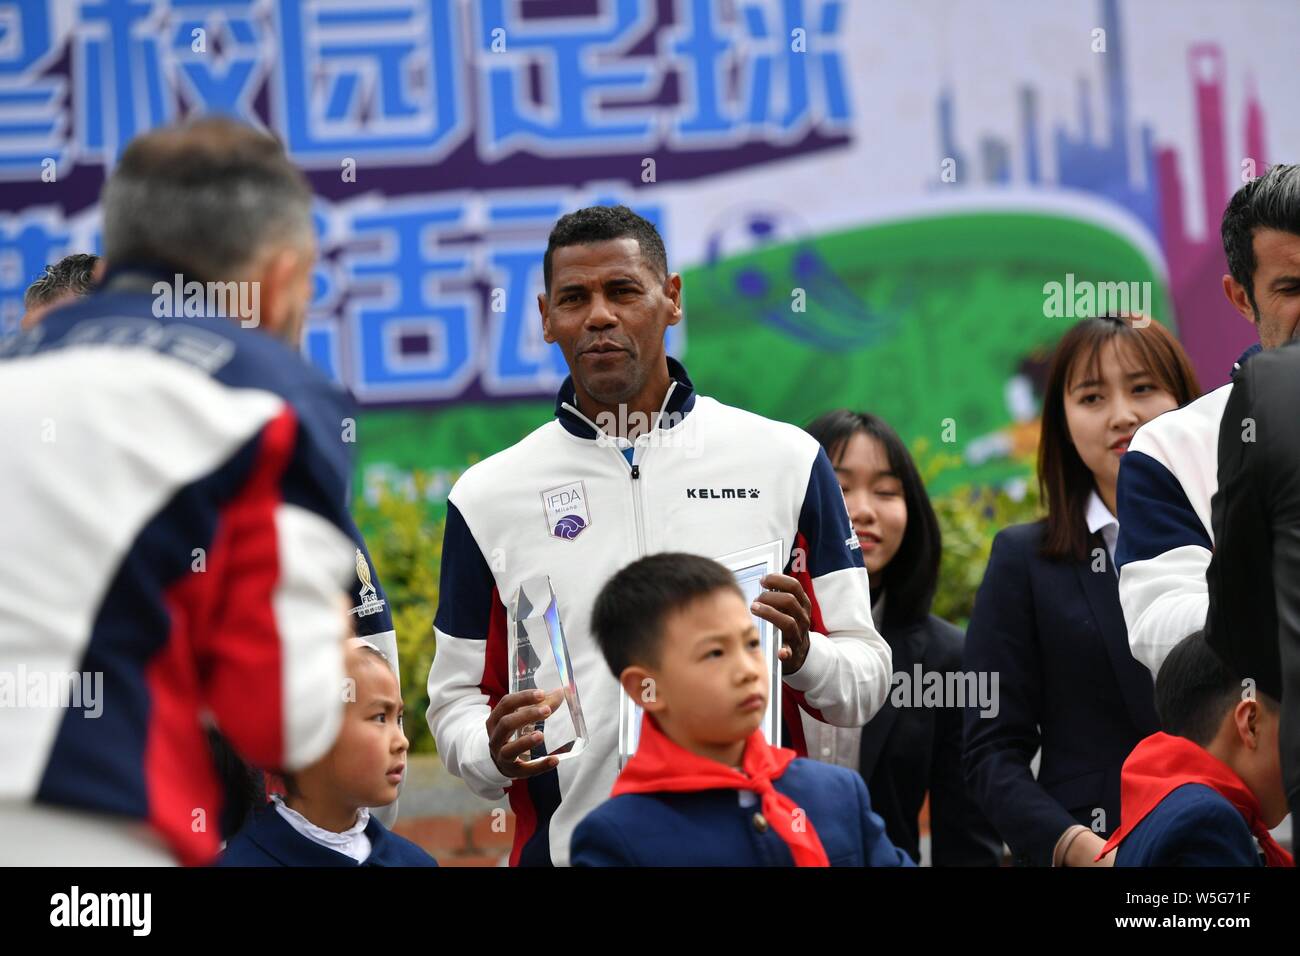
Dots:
pixel 1101 588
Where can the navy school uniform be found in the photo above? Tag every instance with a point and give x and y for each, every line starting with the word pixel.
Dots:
pixel 1194 825
pixel 1053 632
pixel 726 828
pixel 269 840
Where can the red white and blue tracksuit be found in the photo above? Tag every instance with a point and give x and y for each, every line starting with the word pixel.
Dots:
pixel 713 480
pixel 172 519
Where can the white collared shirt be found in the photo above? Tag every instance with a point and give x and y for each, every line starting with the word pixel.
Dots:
pixel 1100 519
pixel 351 842
pixel 840 746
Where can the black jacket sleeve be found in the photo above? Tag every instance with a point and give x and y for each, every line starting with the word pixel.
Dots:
pixel 959 833
pixel 1254 578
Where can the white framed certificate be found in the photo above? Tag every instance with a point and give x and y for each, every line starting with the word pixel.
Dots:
pixel 749 566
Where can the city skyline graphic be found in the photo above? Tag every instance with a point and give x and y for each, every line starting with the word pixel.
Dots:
pixel 1104 166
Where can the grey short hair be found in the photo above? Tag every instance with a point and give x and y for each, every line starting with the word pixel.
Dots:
pixel 204 198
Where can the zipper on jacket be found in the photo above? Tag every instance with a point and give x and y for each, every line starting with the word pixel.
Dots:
pixel 634 470
pixel 637 510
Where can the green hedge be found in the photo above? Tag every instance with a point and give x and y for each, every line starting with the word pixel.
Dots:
pixel 969 517
pixel 406 547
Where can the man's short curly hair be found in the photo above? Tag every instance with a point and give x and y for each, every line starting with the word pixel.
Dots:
pixel 601 224
pixel 70 274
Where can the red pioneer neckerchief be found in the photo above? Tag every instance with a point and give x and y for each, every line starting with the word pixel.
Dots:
pixel 659 766
pixel 1161 764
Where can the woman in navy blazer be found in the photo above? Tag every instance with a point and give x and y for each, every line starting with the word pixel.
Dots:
pixel 1047 618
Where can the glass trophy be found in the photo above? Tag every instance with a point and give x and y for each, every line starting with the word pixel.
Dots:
pixel 539 660
pixel 749 566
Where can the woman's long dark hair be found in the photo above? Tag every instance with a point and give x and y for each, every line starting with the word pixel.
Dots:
pixel 912 576
pixel 1064 481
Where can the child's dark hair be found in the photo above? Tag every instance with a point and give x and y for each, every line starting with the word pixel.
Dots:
pixel 629 613
pixel 1194 690
pixel 243 787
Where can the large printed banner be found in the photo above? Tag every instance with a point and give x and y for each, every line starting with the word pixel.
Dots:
pixel 894 206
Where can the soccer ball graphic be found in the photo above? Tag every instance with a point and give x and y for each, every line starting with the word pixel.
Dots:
pixel 793 288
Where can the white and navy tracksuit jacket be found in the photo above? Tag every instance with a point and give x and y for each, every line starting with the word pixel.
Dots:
pixel 718 480
pixel 1166 481
pixel 173 519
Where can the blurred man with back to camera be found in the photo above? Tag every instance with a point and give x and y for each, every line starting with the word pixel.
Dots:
pixel 174 539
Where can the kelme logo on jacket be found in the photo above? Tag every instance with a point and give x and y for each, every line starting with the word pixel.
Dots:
pixel 721 492
pixel 566 510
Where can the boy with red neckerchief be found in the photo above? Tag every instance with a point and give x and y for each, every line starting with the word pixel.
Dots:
pixel 1206 792
pixel 704 787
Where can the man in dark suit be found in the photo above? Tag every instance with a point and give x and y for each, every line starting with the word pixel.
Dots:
pixel 1254 578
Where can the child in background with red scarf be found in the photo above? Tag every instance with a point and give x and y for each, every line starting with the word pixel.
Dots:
pixel 704 787
pixel 1204 792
